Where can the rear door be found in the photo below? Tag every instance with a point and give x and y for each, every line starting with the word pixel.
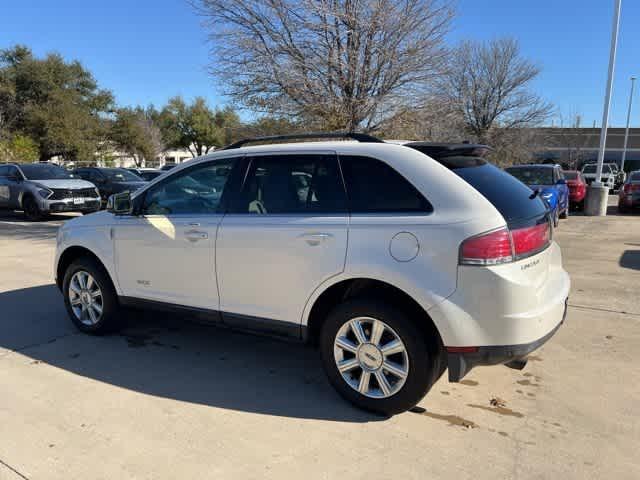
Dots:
pixel 285 234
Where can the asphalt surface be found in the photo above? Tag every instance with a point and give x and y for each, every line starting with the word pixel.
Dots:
pixel 172 399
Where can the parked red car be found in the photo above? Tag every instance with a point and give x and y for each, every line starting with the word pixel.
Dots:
pixel 577 188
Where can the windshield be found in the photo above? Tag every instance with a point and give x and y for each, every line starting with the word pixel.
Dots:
pixel 38 171
pixel 121 175
pixel 592 168
pixel 570 175
pixel 532 175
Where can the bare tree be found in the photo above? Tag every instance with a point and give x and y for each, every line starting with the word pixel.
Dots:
pixel 489 84
pixel 333 63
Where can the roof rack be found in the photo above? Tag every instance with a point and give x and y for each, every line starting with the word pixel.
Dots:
pixel 360 137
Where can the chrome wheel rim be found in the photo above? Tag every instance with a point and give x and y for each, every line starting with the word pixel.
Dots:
pixel 371 357
pixel 85 298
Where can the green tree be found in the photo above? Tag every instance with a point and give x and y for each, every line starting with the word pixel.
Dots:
pixel 56 103
pixel 135 131
pixel 19 148
pixel 196 127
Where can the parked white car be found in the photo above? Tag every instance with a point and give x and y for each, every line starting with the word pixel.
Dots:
pixel 392 263
pixel 608 174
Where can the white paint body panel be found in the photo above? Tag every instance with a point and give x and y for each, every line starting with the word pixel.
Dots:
pixel 262 267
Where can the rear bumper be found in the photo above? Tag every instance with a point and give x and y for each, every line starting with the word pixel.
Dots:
pixel 460 363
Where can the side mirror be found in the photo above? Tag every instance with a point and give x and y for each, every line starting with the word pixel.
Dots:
pixel 120 204
pixel 561 181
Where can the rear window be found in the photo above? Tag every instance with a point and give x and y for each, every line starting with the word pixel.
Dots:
pixel 571 175
pixel 592 169
pixel 635 177
pixel 532 175
pixel 375 187
pixel 511 197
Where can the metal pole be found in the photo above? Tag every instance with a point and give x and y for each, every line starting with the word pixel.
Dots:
pixel 607 97
pixel 626 132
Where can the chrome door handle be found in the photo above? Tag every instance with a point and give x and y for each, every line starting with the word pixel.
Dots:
pixel 195 235
pixel 314 239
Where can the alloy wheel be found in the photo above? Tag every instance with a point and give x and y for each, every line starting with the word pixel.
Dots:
pixel 85 298
pixel 371 357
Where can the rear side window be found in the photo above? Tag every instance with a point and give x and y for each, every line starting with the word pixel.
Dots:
pixel 292 184
pixel 375 187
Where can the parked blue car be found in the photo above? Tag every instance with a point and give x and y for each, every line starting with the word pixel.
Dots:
pixel 550 183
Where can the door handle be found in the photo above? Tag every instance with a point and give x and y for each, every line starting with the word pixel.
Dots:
pixel 314 239
pixel 195 235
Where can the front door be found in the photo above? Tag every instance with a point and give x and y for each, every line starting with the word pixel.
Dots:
pixel 166 252
pixel 285 233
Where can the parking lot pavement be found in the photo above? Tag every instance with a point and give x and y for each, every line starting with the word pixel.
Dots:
pixel 171 399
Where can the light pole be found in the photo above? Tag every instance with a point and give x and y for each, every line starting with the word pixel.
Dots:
pixel 626 131
pixel 597 194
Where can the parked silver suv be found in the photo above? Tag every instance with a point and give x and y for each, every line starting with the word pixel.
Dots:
pixel 42 188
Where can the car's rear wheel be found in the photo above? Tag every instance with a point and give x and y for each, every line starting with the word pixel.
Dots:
pixel 31 209
pixel 565 213
pixel 377 358
pixel 90 298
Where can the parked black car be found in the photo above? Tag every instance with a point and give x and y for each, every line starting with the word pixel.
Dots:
pixel 110 180
pixel 168 166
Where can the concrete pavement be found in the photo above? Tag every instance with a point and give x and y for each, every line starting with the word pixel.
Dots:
pixel 170 399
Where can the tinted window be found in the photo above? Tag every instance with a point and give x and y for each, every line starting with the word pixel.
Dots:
pixel 592 168
pixel 292 184
pixel 509 196
pixel 148 176
pixel 533 175
pixel 375 187
pixel 197 190
pixel 4 171
pixel 571 175
pixel 634 177
pixel 120 175
pixel 44 172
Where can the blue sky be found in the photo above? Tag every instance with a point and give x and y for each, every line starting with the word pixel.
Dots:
pixel 146 51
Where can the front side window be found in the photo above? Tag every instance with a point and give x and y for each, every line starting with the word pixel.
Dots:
pixel 375 187
pixel 197 190
pixel 4 171
pixel 292 184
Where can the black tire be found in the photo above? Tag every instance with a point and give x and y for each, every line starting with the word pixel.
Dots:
pixel 111 317
pixel 556 219
pixel 426 362
pixel 31 210
pixel 565 213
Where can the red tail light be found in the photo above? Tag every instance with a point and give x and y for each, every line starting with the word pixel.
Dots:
pixel 504 246
pixel 527 241
pixel 487 249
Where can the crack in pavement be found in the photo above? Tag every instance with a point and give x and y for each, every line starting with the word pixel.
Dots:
pixel 601 309
pixel 35 345
pixel 13 470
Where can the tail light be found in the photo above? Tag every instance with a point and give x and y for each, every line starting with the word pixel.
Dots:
pixel 504 245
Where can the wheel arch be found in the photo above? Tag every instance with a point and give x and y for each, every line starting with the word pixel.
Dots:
pixel 72 253
pixel 362 287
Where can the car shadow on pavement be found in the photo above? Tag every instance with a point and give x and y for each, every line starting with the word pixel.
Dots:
pixel 14 226
pixel 170 357
pixel 630 259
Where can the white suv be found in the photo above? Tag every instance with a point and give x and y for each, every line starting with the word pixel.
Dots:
pixel 389 261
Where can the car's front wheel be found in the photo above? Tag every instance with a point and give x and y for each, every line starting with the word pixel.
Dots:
pixel 90 298
pixel 376 357
pixel 31 209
